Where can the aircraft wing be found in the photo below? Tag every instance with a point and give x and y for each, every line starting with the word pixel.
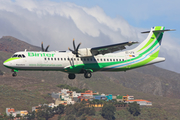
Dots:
pixel 110 48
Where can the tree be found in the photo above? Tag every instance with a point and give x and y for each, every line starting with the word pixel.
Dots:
pixel 70 117
pixel 108 111
pixel 91 111
pixel 18 115
pixel 134 109
pixel 59 109
pixel 11 117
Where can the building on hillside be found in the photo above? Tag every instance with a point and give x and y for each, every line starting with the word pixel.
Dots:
pixel 74 94
pixel 95 105
pixel 140 102
pixel 100 97
pixel 10 111
pixel 119 98
pixel 109 97
pixel 64 91
pixel 87 93
pixel 22 112
pixel 55 95
pixel 130 97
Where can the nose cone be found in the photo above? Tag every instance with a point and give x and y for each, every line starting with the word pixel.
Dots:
pixel 6 63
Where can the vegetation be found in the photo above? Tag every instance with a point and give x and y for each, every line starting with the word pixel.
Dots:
pixel 134 109
pixel 71 88
pixel 108 111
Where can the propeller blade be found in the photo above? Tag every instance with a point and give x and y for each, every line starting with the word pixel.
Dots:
pixel 78 46
pixel 42 46
pixel 46 48
pixel 71 50
pixel 74 45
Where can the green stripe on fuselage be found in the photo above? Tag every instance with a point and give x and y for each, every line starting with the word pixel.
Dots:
pixel 11 59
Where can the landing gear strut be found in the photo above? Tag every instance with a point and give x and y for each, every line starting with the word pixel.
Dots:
pixel 71 76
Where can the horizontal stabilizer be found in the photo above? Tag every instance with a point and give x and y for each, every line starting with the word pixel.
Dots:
pixel 159 30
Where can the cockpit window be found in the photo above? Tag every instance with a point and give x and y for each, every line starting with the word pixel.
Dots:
pixel 15 55
pixel 21 56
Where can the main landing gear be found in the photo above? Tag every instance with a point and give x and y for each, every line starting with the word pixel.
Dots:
pixel 87 74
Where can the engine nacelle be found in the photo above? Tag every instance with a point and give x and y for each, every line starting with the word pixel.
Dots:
pixel 85 52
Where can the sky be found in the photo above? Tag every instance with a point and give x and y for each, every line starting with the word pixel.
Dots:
pixel 93 23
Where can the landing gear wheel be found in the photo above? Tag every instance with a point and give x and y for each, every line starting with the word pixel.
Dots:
pixel 87 74
pixel 71 76
pixel 14 74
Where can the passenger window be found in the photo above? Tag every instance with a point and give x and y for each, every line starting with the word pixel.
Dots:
pixel 91 59
pixel 71 58
pixel 48 58
pixel 54 58
pixel 84 59
pixel 104 59
pixel 74 58
pixel 68 59
pixel 77 59
pixel 61 58
pixel 64 58
pixel 87 59
pixel 58 58
pixel 116 59
pixel 51 58
pixel 122 59
pixel 97 59
pixel 107 59
pixel 119 59
pixel 113 59
pixel 110 59
pixel 44 58
pixel 101 59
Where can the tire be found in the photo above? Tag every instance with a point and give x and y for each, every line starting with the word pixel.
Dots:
pixel 71 76
pixel 14 74
pixel 87 74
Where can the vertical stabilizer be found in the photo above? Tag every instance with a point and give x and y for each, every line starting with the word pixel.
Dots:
pixel 151 45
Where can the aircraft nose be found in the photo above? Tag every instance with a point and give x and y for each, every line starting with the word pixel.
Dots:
pixel 7 63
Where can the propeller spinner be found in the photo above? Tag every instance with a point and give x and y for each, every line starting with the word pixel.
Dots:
pixel 75 51
pixel 44 50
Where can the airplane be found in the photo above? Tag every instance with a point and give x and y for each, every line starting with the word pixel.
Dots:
pixel 88 60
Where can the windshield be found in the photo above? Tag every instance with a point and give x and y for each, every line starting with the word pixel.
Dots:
pixel 19 55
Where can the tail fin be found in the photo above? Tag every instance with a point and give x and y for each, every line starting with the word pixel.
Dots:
pixel 151 45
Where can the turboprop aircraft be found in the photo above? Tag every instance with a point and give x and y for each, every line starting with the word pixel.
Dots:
pixel 88 60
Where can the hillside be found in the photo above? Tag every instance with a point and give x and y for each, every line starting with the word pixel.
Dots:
pixel 152 83
pixel 12 45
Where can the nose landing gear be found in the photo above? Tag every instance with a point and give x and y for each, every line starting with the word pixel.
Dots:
pixel 14 74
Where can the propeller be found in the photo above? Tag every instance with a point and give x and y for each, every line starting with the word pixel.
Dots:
pixel 44 50
pixel 75 51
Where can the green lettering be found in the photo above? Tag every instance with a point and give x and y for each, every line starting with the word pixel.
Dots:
pixel 39 54
pixel 30 54
pixel 53 55
pixel 48 55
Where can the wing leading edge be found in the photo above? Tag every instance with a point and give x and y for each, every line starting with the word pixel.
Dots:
pixel 110 48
